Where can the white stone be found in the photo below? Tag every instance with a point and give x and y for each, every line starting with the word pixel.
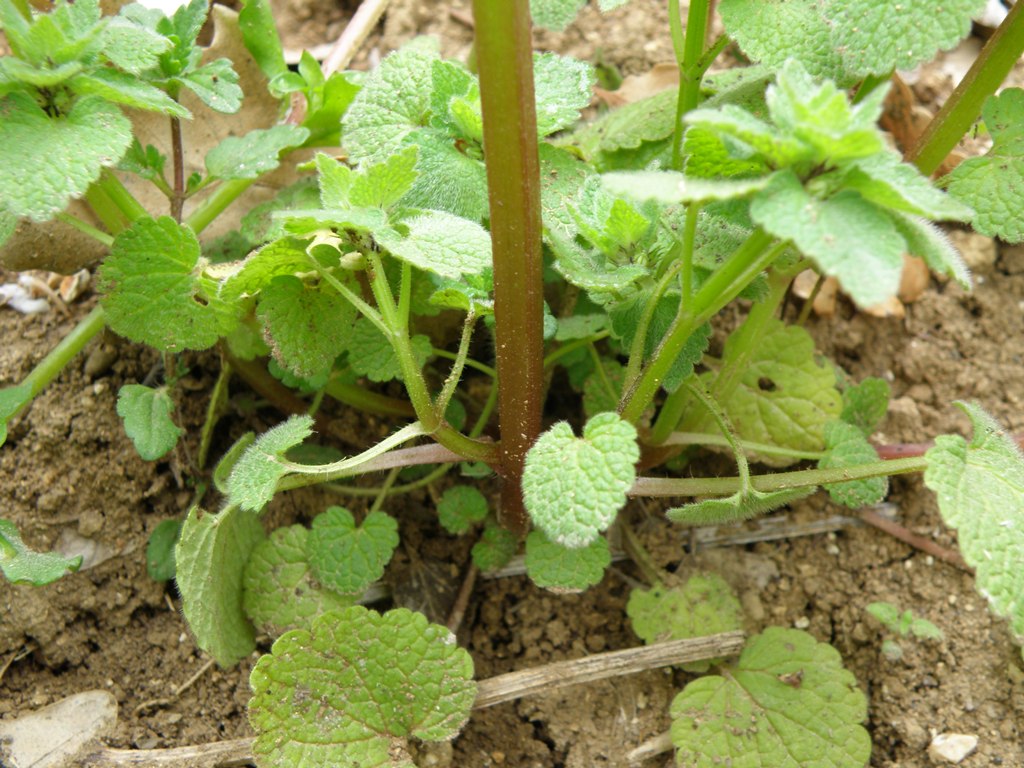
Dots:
pixel 54 736
pixel 952 747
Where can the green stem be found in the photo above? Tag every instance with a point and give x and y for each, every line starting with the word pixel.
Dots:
pixel 86 228
pixel 223 196
pixel 394 490
pixel 214 410
pixel 726 428
pixel 505 61
pixel 705 438
pixel 120 196
pixel 780 481
pixel 455 374
pixel 638 348
pixel 389 481
pixel 638 554
pixel 468 362
pixel 689 50
pixel 571 346
pixel 688 245
pixel 106 211
pixel 364 400
pixel 962 108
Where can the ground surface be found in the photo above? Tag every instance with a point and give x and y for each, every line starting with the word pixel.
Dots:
pixel 68 473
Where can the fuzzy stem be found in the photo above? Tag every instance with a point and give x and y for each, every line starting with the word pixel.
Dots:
pixel 689 51
pixel 86 228
pixel 364 400
pixel 962 108
pixel 505 61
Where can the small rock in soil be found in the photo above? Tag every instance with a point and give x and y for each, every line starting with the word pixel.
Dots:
pixel 55 736
pixel 952 747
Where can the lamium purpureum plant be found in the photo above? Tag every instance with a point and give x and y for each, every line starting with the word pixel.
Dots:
pixel 605 249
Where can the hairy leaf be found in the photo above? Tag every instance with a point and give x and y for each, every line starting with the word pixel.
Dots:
pixel 460 507
pixel 254 477
pixel 561 569
pixel 370 353
pixel 12 400
pixel 846 446
pixel 736 508
pixel 865 404
pixel 563 88
pixel 495 548
pixel 438 242
pixel 21 565
pixel 146 413
pixel 255 153
pixel 348 558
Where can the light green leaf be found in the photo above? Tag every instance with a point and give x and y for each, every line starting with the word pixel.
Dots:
pixel 253 480
pixel 306 326
pixel 890 183
pixel 349 692
pixel 868 265
pixel 370 353
pixel 211 555
pixel 280 592
pixel 703 605
pixel 155 293
pixel 287 256
pixel 993 185
pixel 256 23
pixel 846 446
pixel 736 508
pixel 865 404
pixel 122 88
pixel 673 187
pixel 146 413
pixel 21 565
pixel 574 487
pixel 603 387
pixel 748 137
pixel 460 507
pixel 348 558
pixel 563 87
pixel 255 153
pixel 45 162
pixel 564 570
pixel 786 703
pixel 649 121
pixel 160 562
pixel 12 400
pixel 448 180
pixel 216 85
pixel 555 14
pixel 927 241
pixel 381 185
pixel 131 46
pixel 495 548
pixel 438 242
pixel 980 486
pixel 562 174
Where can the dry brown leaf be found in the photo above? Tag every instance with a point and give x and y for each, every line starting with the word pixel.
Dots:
pixel 913 280
pixel 636 87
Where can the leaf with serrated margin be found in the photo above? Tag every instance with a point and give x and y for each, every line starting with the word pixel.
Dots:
pixel 927 241
pixel 592 270
pixel 210 559
pixel 460 507
pixel 146 413
pixel 394 100
pixel 890 183
pixel 346 557
pixel 280 592
pixel 603 387
pixel 868 265
pixel 703 605
pixel 254 477
pixel 748 136
pixel 673 187
pixel 495 548
pixel 736 508
pixel 12 400
pixel 562 174
pixel 877 38
pixel 980 486
pixel 708 157
pixel 21 565
pixel 788 701
pixel 846 446
pixel 122 88
pixel 306 326
pixel 287 256
pixel 381 185
pixel 865 404
pixel 648 121
pixel 255 153
pixel 132 46
pixel 45 162
pixel 155 293
pixel 784 396
pixel 563 87
pixel 562 569
pixel 216 85
pixel 370 353
pixel 574 487
pixel 555 14
pixel 438 242
pixel 447 180
pixel 993 185
pixel 349 692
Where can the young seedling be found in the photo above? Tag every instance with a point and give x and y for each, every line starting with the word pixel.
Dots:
pixel 902 624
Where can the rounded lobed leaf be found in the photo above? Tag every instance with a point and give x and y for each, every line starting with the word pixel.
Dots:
pixel 495 548
pixel 349 692
pixel 574 487
pixel 560 569
pixel 254 476
pixel 461 506
pixel 846 446
pixel 348 558
pixel 146 413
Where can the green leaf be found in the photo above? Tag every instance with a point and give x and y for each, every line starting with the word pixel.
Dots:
pixel 562 174
pixel 448 180
pixel 21 565
pixel 259 32
pixel 887 613
pixel 349 692
pixel 306 326
pixel 348 558
pixel 280 592
pixel 146 413
pixel 381 185
pixel 45 162
pixel 12 400
pixel 253 480
pixel 930 243
pixel 603 387
pixel 563 87
pixel 786 702
pixel 703 605
pixel 495 548
pixel 132 46
pixel 980 486
pixel 846 446
pixel 255 153
pixel 673 187
pixel 286 256
pixel 555 14
pixel 868 265
pixel 865 404
pixel 574 487
pixel 216 85
pixel 227 462
pixel 736 508
pixel 211 556
pixel 460 507
pixel 160 561
pixel 122 88
pixel 370 353
pixel 563 569
pixel 888 182
pixel 993 184
pixel 155 292
pixel 784 396
pixel 439 242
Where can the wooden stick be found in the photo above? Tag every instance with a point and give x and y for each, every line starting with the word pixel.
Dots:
pixel 356 32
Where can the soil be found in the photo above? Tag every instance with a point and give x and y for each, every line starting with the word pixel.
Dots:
pixel 71 479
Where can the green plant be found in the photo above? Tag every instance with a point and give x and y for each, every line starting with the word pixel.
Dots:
pixel 903 624
pixel 605 250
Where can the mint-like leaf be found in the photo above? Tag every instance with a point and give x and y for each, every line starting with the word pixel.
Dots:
pixel 123 88
pixel 555 14
pixel 439 242
pixel 495 548
pixel 287 256
pixel 672 187
pixel 846 446
pixel 280 592
pixel 154 294
pixel 787 701
pixel 561 569
pixel 703 605
pixel 216 85
pixel 865 404
pixel 563 88
pixel 979 486
pixel 736 508
pixel 603 387
pixel 460 507
pixel 381 185
pixel 160 561
pixel 132 46
pixel 259 31
pixel 254 478
pixel 348 558
pixel 448 180
pixel 349 692
pixel 255 153
pixel 147 419
pixel 48 161
pixel 890 183
pixel 370 353
pixel 574 487
pixel 21 565
pixel 930 243
pixel 211 555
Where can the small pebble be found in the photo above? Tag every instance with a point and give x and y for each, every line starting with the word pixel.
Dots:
pixel 952 747
pixel 802 623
